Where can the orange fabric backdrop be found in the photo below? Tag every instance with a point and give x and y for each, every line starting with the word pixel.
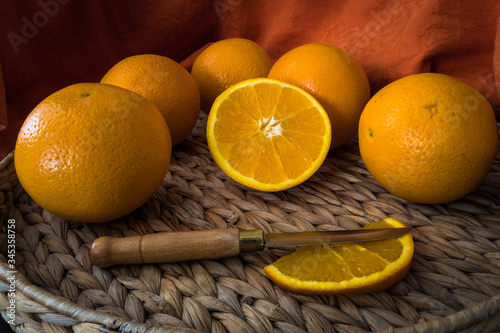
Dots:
pixel 49 44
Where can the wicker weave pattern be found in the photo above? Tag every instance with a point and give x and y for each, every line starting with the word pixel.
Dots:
pixel 453 284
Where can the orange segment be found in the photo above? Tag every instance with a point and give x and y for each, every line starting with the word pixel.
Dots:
pixel 345 268
pixel 267 134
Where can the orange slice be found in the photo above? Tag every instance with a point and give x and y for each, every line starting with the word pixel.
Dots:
pixel 345 268
pixel 267 134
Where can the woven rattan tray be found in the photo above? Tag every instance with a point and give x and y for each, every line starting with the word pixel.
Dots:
pixel 453 284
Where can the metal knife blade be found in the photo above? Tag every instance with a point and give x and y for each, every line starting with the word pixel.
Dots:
pixel 329 237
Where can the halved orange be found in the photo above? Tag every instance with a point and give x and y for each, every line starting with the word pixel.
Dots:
pixel 267 134
pixel 345 268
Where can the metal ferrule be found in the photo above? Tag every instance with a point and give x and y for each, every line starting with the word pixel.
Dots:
pixel 251 240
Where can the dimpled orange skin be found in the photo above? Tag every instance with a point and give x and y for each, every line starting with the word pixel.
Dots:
pixel 92 152
pixel 335 79
pixel 227 62
pixel 165 83
pixel 428 138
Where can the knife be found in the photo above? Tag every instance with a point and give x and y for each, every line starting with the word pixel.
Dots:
pixel 168 247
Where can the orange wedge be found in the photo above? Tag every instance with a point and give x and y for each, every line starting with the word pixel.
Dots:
pixel 267 134
pixel 345 268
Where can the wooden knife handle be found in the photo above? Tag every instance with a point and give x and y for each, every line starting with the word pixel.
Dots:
pixel 165 247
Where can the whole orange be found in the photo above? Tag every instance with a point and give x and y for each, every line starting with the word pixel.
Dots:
pixel 428 138
pixel 227 62
pixel 92 152
pixel 164 82
pixel 335 79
